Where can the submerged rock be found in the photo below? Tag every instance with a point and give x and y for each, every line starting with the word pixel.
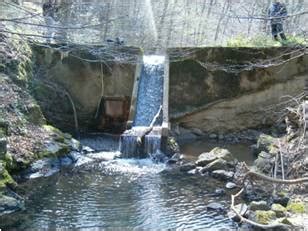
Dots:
pixel 216 207
pixel 187 167
pixel 10 204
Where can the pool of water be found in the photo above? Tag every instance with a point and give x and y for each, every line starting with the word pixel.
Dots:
pixel 123 193
pixel 241 151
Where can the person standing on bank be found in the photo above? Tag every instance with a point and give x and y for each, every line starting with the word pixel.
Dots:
pixel 277 14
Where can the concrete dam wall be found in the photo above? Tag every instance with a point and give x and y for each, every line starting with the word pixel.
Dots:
pixel 213 89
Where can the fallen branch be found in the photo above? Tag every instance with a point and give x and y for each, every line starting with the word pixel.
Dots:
pixel 150 128
pixel 252 174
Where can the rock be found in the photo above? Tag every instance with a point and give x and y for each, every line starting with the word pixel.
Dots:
pixel 172 146
pixel 222 175
pixel 4 128
pixel 187 167
pixel 215 165
pixel 74 144
pixel 231 185
pixel 74 156
pixel 215 206
pixel 264 217
pixel 197 132
pixel 194 171
pixel 66 161
pixel 5 178
pixel 103 156
pixel 267 143
pixel 86 149
pixel 10 204
pixel 242 209
pixel 43 168
pixel 216 153
pixel 175 158
pixel 186 134
pixel 259 205
pixel 221 137
pixel 279 210
pixel 54 148
pixel 3 147
pixel 34 114
pixel 281 199
pixel 219 192
pixel 265 162
pixel 298 222
pixel 254 149
pixel 296 207
pixel 213 136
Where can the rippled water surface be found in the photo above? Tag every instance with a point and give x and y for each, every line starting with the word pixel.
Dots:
pixel 120 194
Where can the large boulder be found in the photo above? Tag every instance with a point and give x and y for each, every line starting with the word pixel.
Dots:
pixel 217 153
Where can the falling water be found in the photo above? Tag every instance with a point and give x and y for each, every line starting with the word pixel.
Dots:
pixel 133 143
pixel 150 15
pixel 150 91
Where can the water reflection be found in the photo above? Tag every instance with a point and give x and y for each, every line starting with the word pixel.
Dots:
pixel 119 194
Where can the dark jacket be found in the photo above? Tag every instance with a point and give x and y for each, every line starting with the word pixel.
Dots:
pixel 277 12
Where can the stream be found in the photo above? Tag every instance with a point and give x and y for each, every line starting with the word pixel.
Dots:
pixel 125 193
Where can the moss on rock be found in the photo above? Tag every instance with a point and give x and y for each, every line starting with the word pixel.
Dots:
pixel 279 210
pixel 265 217
pixel 296 207
pixel 5 177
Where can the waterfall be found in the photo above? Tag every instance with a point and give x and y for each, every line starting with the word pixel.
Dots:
pixel 145 136
pixel 150 91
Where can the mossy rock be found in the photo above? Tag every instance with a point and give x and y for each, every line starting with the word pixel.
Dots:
pixel 279 210
pixel 267 143
pixel 4 128
pixel 265 217
pixel 3 147
pixel 296 207
pixel 5 177
pixel 35 114
pixel 54 149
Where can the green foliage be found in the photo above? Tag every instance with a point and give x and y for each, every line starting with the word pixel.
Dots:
pixel 265 41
